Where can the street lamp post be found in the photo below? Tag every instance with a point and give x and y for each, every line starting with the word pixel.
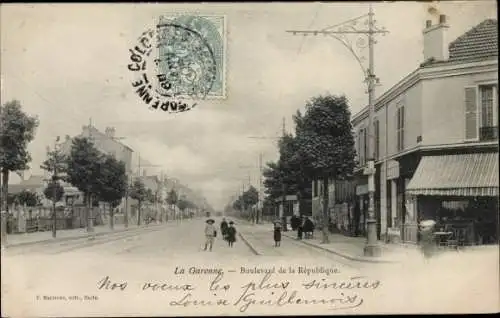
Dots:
pixel 340 32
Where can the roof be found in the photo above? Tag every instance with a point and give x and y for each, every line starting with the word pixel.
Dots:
pixel 479 42
pixel 17 188
pixel 473 174
pixel 33 180
pixel 97 131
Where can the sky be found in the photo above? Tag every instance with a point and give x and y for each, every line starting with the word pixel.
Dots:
pixel 67 64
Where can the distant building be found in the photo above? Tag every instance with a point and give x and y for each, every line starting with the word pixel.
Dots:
pixel 37 184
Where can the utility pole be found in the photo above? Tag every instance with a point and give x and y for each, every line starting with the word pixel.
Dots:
pixel 339 32
pixel 283 133
pixel 54 190
pixel 261 196
pixel 54 181
pixel 282 215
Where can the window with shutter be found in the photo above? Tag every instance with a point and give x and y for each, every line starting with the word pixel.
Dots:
pixel 402 128
pixel 471 125
pixel 488 108
pixel 398 122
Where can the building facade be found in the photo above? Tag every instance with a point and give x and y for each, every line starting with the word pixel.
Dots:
pixel 106 142
pixel 436 135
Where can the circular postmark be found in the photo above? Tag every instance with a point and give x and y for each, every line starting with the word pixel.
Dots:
pixel 173 66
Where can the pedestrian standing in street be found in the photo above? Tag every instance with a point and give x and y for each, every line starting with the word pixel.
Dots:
pixel 231 234
pixel 210 233
pixel 277 233
pixel 300 227
pixel 308 228
pixel 294 222
pixel 428 243
pixel 223 228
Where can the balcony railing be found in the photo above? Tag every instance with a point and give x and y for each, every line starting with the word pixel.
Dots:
pixel 488 133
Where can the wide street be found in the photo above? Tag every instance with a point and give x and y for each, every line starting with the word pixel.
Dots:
pixel 146 272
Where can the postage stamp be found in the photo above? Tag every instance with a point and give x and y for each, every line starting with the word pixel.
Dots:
pixel 180 62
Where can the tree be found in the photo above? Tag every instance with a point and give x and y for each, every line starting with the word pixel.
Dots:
pixel 287 176
pixel 237 204
pixel 272 181
pixel 83 171
pixel 28 198
pixel 138 192
pixel 325 144
pixel 54 191
pixel 17 130
pixel 25 197
pixel 150 196
pixel 172 199
pixel 112 183
pixel 182 204
pixel 251 196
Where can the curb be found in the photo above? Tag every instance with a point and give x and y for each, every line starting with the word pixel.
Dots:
pixel 346 256
pixel 74 238
pixel 250 246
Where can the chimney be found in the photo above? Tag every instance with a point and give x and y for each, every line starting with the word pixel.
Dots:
pixel 110 132
pixel 435 41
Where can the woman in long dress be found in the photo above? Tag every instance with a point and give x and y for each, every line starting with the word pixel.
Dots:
pixel 277 234
pixel 231 234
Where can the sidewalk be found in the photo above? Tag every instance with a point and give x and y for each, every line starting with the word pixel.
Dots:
pixel 66 235
pixel 352 248
pixel 348 247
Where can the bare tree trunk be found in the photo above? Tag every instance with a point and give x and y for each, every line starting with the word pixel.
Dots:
pixel 111 217
pixel 139 213
pixel 125 213
pixel 4 206
pixel 90 214
pixel 325 211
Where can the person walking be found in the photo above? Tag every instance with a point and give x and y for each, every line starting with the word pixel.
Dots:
pixel 223 228
pixel 308 228
pixel 295 221
pixel 277 233
pixel 300 227
pixel 210 234
pixel 231 234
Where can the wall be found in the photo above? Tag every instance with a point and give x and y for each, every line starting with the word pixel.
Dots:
pixel 443 118
pixel 110 146
pixel 411 99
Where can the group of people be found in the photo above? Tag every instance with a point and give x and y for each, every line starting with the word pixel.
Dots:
pixel 303 225
pixel 228 232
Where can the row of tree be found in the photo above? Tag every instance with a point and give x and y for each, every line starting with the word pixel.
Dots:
pixel 100 177
pixel 247 199
pixel 322 148
pixel 182 203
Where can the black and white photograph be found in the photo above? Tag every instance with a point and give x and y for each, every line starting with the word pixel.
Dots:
pixel 249 159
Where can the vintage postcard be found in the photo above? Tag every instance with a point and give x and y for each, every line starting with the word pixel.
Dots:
pixel 252 159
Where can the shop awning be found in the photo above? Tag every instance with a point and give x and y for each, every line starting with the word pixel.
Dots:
pixel 456 175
